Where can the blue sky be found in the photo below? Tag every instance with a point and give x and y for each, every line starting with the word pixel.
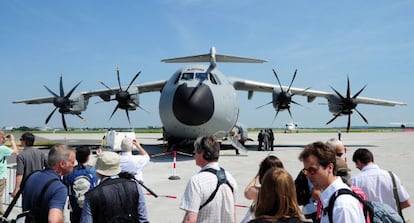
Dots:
pixel 371 41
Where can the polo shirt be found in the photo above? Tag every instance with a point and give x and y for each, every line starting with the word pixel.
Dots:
pixel 199 189
pixel 5 152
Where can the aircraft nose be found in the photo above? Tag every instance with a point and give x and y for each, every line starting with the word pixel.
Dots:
pixel 193 105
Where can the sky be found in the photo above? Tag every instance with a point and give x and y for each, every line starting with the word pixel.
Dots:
pixel 372 42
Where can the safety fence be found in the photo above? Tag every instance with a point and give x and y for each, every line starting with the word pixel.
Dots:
pixel 10 182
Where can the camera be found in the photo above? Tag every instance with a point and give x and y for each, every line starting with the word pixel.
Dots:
pixel 7 136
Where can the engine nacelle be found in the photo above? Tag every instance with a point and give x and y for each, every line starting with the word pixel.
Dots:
pixel 78 104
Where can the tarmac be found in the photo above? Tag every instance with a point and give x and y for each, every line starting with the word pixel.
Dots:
pixel 392 151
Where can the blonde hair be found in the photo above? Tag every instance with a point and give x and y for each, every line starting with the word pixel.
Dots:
pixel 277 196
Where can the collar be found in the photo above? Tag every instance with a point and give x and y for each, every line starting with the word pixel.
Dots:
pixel 334 186
pixel 370 167
pixel 214 165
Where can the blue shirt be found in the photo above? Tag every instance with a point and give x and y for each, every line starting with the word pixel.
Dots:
pixel 54 197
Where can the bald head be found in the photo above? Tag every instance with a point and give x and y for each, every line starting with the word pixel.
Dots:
pixel 336 145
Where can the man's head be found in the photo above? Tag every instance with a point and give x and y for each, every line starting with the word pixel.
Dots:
pixel 27 139
pixel 82 154
pixel 206 149
pixel 61 159
pixel 342 170
pixel 362 157
pixel 127 144
pixel 337 145
pixel 319 163
pixel 2 138
pixel 107 164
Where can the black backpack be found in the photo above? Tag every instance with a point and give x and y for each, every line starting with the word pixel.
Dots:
pixel 302 189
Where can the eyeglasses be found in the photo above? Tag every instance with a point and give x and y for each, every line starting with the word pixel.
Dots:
pixel 311 170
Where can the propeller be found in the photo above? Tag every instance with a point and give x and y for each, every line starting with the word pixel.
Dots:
pixel 284 98
pixel 62 102
pixel 123 97
pixel 348 104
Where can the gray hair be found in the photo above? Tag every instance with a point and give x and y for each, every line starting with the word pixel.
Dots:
pixel 58 153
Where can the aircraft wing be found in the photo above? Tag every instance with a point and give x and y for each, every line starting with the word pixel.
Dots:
pixel 103 93
pixel 40 100
pixel 251 86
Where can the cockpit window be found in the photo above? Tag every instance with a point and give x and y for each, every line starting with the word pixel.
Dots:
pixel 201 76
pixel 187 76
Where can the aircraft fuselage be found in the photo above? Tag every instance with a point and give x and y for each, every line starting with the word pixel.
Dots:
pixel 198 100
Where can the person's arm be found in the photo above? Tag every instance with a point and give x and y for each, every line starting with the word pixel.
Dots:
pixel 86 215
pixel 141 149
pixel 190 217
pixel 55 215
pixel 17 184
pixel 251 191
pixel 15 149
pixel 405 204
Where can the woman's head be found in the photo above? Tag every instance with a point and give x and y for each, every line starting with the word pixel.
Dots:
pixel 277 196
pixel 269 162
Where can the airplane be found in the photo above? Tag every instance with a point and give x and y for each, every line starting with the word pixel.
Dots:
pixel 402 125
pixel 292 127
pixel 199 99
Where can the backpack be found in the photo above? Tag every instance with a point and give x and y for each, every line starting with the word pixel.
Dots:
pixel 221 179
pixel 81 181
pixel 378 212
pixel 302 189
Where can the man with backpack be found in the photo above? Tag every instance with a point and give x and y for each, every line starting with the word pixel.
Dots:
pixel 319 162
pixel 378 183
pixel 44 192
pixel 210 194
pixel 115 199
pixel 81 180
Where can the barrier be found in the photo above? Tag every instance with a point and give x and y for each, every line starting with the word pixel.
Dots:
pixel 174 176
pixel 10 181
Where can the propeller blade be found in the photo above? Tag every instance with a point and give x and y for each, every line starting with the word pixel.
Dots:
pixel 360 114
pixel 133 102
pixel 50 91
pixel 290 113
pixel 349 122
pixel 105 85
pixel 62 92
pixel 83 119
pixel 348 89
pixel 127 114
pixel 265 104
pixel 133 79
pixel 337 93
pixel 119 81
pixel 116 108
pixel 73 89
pixel 277 112
pixel 336 116
pixel 50 115
pixel 294 102
pixel 64 122
pixel 359 92
pixel 278 80
pixel 293 78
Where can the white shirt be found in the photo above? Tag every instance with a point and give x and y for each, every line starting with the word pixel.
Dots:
pixel 134 164
pixel 199 189
pixel 377 185
pixel 346 208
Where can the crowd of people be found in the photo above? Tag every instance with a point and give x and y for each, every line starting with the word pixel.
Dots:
pixel 111 190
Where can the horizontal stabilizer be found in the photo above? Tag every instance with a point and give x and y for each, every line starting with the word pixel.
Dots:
pixel 213 58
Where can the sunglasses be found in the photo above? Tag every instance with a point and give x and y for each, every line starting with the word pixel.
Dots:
pixel 311 170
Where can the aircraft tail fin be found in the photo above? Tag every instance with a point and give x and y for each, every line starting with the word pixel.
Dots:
pixel 213 58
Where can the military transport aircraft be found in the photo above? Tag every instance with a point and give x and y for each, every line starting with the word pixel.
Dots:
pixel 200 100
